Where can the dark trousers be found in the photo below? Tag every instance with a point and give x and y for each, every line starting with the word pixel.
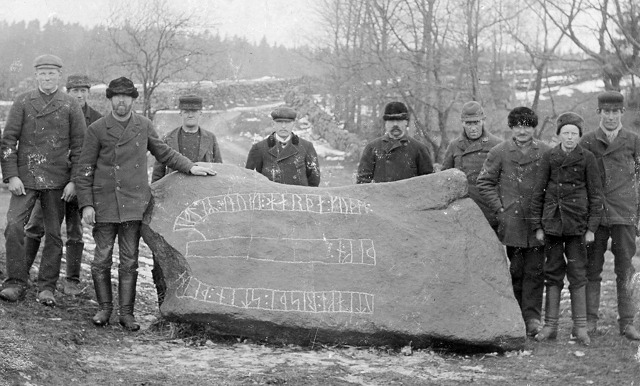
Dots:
pixel 104 235
pixel 575 266
pixel 623 247
pixel 527 278
pixel 20 208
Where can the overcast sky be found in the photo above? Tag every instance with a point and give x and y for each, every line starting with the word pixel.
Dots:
pixel 287 22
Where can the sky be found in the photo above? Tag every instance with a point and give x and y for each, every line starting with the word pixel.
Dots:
pixel 286 22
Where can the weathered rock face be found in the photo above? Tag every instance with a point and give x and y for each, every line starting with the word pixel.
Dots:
pixel 394 263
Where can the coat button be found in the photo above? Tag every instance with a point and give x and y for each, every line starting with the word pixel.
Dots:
pixel 118 188
pixel 117 167
pixel 137 165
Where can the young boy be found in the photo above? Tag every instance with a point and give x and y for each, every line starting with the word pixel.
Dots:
pixel 566 207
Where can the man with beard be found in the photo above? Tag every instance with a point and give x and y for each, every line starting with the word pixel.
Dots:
pixel 113 193
pixel 468 152
pixel 617 152
pixel 506 182
pixel 395 155
pixel 78 87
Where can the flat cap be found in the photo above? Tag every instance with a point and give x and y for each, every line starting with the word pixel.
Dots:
pixel 569 118
pixel 122 86
pixel 47 61
pixel 284 114
pixel 472 111
pixel 610 100
pixel 395 111
pixel 190 102
pixel 78 81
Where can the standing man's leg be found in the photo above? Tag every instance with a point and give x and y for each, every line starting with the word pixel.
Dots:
pixel 128 241
pixel 75 247
pixel 554 272
pixel 104 235
pixel 595 264
pixel 575 251
pixel 53 214
pixel 516 269
pixel 623 246
pixel 532 288
pixel 34 231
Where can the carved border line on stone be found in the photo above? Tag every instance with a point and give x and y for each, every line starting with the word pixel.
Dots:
pixel 275 300
pixel 296 251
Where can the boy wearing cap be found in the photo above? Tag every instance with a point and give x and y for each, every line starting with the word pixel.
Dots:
pixel 617 152
pixel 40 147
pixel 506 182
pixel 193 142
pixel 283 157
pixel 78 87
pixel 468 152
pixel 566 206
pixel 395 155
pixel 113 193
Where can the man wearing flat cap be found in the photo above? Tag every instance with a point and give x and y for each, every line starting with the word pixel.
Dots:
pixel 193 142
pixel 617 151
pixel 284 157
pixel 113 193
pixel 78 87
pixel 40 147
pixel 468 152
pixel 395 155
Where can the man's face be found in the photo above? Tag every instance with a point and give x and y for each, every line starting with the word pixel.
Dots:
pixel 121 105
pixel 569 136
pixel 80 93
pixel 473 129
pixel 190 118
pixel 48 78
pixel 284 128
pixel 610 119
pixel 396 129
pixel 523 133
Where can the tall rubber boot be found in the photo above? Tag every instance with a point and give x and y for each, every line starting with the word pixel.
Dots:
pixel 551 314
pixel 579 315
pixel 626 308
pixel 158 280
pixel 102 285
pixel 592 290
pixel 127 296
pixel 31 247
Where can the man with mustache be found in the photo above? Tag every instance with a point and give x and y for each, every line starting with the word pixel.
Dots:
pixel 395 155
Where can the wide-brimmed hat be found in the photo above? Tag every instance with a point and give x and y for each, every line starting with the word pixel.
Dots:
pixel 122 86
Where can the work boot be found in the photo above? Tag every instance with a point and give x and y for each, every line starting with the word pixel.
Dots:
pixel 592 290
pixel 127 298
pixel 12 294
pixel 551 314
pixel 579 315
pixel 74 261
pixel 102 285
pixel 71 287
pixel 630 332
pixel 533 327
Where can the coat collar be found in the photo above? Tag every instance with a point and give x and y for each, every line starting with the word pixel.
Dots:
pixel 533 154
pixel 43 108
pixel 620 141
pixel 271 140
pixel 574 156
pixel 206 141
pixel 287 151
pixel 115 129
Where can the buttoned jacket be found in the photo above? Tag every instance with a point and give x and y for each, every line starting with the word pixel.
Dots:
pixel 386 160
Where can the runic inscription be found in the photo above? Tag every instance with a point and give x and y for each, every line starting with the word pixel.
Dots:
pixel 278 202
pixel 276 300
pixel 322 251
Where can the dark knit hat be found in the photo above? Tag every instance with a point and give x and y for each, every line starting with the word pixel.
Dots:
pixel 47 61
pixel 522 116
pixel 610 100
pixel 78 81
pixel 395 111
pixel 122 86
pixel 569 118
pixel 284 114
pixel 472 111
pixel 190 102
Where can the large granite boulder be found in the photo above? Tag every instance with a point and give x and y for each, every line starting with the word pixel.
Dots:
pixel 408 262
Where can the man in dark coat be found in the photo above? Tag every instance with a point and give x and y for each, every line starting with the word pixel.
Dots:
pixel 617 151
pixel 506 182
pixel 193 142
pixel 566 206
pixel 395 155
pixel 283 157
pixel 469 151
pixel 78 86
pixel 41 145
pixel 113 193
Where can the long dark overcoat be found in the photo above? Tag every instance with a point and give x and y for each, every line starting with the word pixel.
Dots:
pixel 295 164
pixel 619 165
pixel 113 175
pixel 468 156
pixel 506 182
pixel 386 160
pixel 41 142
pixel 209 151
pixel 567 199
pixel 91 115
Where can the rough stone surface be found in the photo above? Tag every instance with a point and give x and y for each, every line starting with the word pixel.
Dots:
pixel 408 262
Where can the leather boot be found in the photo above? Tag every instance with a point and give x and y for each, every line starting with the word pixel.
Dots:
pixel 551 314
pixel 102 285
pixel 74 260
pixel 630 332
pixel 592 290
pixel 127 297
pixel 627 308
pixel 579 315
pixel 158 280
pixel 31 247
